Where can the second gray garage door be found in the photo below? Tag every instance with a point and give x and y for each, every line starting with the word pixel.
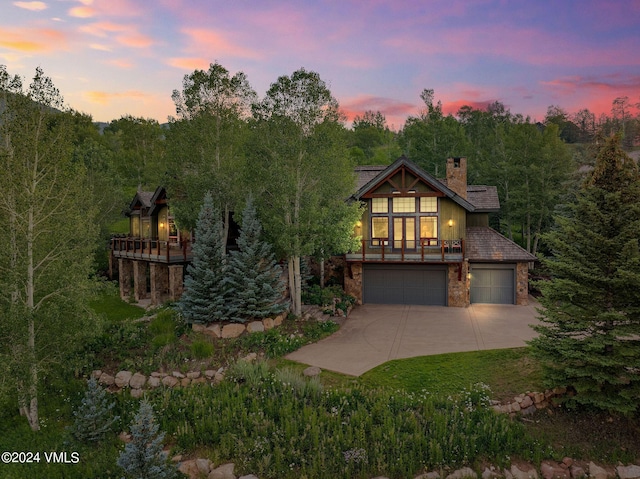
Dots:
pixel 405 284
pixel 493 284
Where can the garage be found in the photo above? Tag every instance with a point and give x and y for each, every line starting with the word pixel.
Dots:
pixel 405 284
pixel 493 283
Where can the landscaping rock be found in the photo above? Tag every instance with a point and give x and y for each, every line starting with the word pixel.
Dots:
pixel 255 326
pixel 124 437
pixel 193 374
pixel 250 476
pixel 137 381
pixel 552 470
pixel 464 473
pixel 526 402
pixel 277 321
pixel 213 330
pixel 176 458
pixel 223 472
pixel 106 379
pixel 178 374
pixel 169 381
pixel 251 357
pixel 198 328
pixel 312 371
pixel 209 373
pixel 491 473
pixel 199 380
pixel 523 472
pixel 156 374
pixel 232 330
pixel 428 475
pixel 628 472
pixel 268 323
pixel 185 382
pixel 577 471
pixel 218 378
pixel 203 465
pixel 597 472
pixel 137 393
pixel 96 374
pixel 122 378
pixel 153 382
pixel 189 468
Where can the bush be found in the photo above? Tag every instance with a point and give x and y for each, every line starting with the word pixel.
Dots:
pixel 94 417
pixel 201 349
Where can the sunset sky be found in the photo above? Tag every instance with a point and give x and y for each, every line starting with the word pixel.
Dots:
pixel 110 58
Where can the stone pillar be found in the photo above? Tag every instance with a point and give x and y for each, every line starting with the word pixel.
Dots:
pixel 159 282
pixel 457 175
pixel 458 291
pixel 176 273
pixel 139 280
pixel 522 284
pixel 125 273
pixel 353 280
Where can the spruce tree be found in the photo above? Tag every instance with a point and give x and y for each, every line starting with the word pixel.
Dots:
pixel 590 336
pixel 204 298
pixel 143 457
pixel 94 417
pixel 254 277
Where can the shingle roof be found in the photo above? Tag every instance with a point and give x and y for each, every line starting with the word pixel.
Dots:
pixel 142 197
pixel 484 198
pixel 364 174
pixel 486 244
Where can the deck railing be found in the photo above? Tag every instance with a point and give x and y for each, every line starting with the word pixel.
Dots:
pixel 151 249
pixel 423 250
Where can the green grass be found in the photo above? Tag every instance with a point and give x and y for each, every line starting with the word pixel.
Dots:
pixel 507 372
pixel 109 305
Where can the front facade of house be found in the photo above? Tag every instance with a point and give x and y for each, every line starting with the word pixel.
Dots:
pixel 428 241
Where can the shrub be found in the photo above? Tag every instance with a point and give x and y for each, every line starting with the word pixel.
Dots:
pixel 201 349
pixel 94 417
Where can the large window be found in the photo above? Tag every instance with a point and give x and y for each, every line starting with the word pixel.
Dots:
pixel 404 205
pixel 379 230
pixel 379 205
pixel 428 204
pixel 428 227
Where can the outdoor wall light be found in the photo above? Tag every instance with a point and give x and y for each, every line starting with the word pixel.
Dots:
pixel 450 223
pixel 161 224
pixel 469 275
pixel 358 224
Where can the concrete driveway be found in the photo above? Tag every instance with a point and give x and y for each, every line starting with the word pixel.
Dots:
pixel 374 334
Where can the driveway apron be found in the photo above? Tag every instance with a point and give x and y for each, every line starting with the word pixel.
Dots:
pixel 374 334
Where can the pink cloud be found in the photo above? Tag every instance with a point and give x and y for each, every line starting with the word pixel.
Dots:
pixel 34 40
pixel 125 34
pixel 82 12
pixel 394 111
pixel 120 63
pixel 215 44
pixel 103 98
pixel 452 107
pixel 189 63
pixel 33 6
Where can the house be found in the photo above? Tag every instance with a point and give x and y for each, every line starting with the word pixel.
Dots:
pixel 428 241
pixel 152 257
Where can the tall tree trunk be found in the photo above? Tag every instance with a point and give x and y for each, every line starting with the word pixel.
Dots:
pixel 322 273
pixel 295 285
pixel 31 392
pixel 225 229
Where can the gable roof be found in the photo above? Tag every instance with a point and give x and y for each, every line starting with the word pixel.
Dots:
pixel 486 244
pixel 142 199
pixel 484 198
pixel 375 180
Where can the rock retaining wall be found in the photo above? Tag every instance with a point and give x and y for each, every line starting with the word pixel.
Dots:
pixel 528 403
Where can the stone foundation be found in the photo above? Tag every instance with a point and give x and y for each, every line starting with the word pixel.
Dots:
pixel 522 284
pixel 458 293
pixel 159 282
pixel 176 287
pixel 125 275
pixel 140 280
pixel 353 280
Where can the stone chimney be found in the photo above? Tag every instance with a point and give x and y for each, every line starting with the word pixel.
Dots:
pixel 457 176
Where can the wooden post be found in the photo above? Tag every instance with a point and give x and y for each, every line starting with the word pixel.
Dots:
pixel 442 248
pixel 363 248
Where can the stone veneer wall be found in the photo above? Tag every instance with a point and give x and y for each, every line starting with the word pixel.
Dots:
pixel 353 280
pixel 522 284
pixel 458 294
pixel 125 274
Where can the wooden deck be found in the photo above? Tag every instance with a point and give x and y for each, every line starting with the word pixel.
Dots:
pixel 151 250
pixel 431 250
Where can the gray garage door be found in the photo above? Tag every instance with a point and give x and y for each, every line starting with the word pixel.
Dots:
pixel 405 284
pixel 493 284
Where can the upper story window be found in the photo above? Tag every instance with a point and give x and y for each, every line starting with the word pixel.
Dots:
pixel 428 204
pixel 404 205
pixel 379 205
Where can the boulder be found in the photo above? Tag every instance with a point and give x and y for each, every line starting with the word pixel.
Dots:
pixel 255 327
pixel 232 330
pixel 122 378
pixel 577 471
pixel 526 402
pixel 137 393
pixel 491 473
pixel 523 472
pixel 193 374
pixel 106 379
pixel 153 382
pixel 213 330
pixel 137 381
pixel 198 327
pixel 277 321
pixel 429 475
pixel 268 323
pixel 597 472
pixel 218 378
pixel 209 373
pixel 552 470
pixel 185 382
pixel 464 473
pixel 204 466
pixel 178 374
pixel 223 472
pixel 156 374
pixel 96 374
pixel 628 472
pixel 169 381
pixel 189 468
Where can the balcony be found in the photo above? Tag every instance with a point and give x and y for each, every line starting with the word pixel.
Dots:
pixel 152 250
pixel 425 250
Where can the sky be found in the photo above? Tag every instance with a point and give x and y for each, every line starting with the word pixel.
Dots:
pixel 111 58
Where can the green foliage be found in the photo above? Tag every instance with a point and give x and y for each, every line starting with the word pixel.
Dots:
pixel 314 294
pixel 205 296
pixel 201 349
pixel 266 423
pixel 591 316
pixel 253 280
pixel 94 419
pixel 143 457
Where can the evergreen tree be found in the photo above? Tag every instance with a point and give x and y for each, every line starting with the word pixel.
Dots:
pixel 204 299
pixel 254 277
pixel 94 417
pixel 143 457
pixel 590 336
